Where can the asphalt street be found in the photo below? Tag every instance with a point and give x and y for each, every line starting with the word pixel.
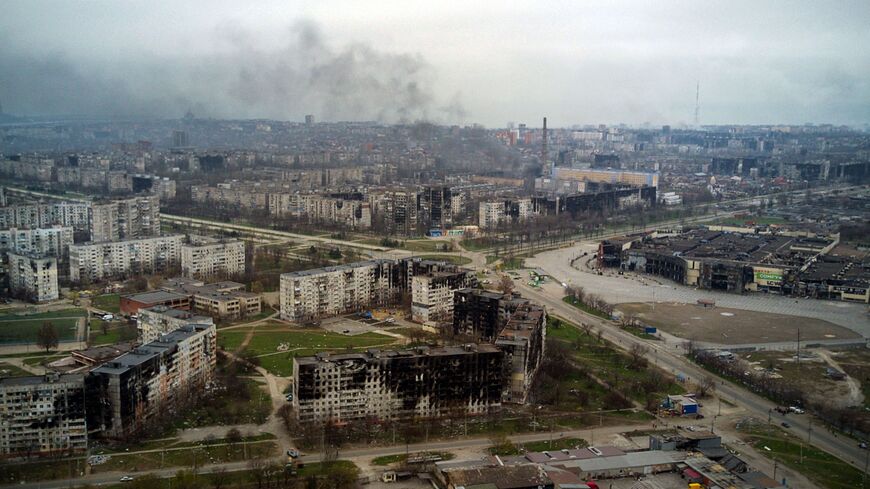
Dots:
pixel 671 359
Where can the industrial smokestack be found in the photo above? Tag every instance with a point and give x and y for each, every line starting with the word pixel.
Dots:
pixel 544 166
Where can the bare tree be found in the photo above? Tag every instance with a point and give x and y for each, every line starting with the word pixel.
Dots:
pixel 706 385
pixel 637 352
pixel 506 285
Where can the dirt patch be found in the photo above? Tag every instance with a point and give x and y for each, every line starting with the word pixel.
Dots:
pixel 810 375
pixel 732 326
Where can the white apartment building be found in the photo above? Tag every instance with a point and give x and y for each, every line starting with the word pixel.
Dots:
pixel 97 261
pixel 205 258
pixel 53 241
pixel 335 290
pixel 493 213
pixel 136 217
pixel 33 276
pixel 68 214
pixel 432 294
pixel 42 415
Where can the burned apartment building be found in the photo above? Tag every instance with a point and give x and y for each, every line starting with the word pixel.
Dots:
pixel 153 380
pixel 522 341
pixel 471 379
pixel 329 291
pixel 422 382
pixel 480 314
pixel 42 415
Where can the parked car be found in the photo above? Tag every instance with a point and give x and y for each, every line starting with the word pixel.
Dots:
pixel 863 445
pixel 785 424
pixel 127 478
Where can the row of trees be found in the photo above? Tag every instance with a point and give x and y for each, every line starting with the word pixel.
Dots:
pixel 593 301
pixel 784 392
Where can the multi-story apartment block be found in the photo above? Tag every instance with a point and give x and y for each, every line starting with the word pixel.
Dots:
pixel 204 258
pixel 68 214
pixel 154 379
pixel 154 322
pixel 480 313
pixel 523 340
pixel 493 213
pixel 33 276
pixel 231 194
pixel 423 382
pixel 136 217
pixel 96 261
pixel 335 290
pixel 42 415
pixel 396 212
pixel 104 222
pixel 53 241
pixel 432 293
pixel 351 213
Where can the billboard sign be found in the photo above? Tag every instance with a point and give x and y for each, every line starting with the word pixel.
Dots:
pixel 768 276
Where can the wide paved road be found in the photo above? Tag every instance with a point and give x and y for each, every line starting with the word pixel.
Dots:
pixel 481 442
pixel 671 360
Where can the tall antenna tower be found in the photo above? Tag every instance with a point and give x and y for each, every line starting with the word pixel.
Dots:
pixel 697 104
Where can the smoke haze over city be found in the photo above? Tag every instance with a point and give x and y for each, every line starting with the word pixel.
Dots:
pixel 632 62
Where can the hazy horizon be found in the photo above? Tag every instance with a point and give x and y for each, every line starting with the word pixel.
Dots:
pixel 450 63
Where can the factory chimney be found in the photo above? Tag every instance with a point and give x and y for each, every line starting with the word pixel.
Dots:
pixel 544 165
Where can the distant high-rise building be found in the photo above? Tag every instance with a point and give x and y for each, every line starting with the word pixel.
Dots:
pixel 309 119
pixel 33 276
pixel 179 139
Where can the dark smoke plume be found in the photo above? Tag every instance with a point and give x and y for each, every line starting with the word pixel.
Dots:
pixel 304 76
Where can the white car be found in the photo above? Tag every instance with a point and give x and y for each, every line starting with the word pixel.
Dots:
pixel 390 320
pixel 127 478
pixel 108 317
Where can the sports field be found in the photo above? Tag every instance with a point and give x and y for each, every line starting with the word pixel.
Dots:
pixel 22 328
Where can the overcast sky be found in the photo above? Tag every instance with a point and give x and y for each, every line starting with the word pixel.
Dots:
pixel 449 62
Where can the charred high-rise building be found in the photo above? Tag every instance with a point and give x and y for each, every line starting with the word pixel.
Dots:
pixel 127 393
pixel 479 313
pixel 431 382
pixel 399 384
pixel 42 415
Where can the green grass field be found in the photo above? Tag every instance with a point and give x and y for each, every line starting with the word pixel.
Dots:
pixel 116 332
pixel 9 370
pixel 513 263
pixel 264 344
pixel 818 466
pixel 109 303
pixel 606 362
pixel 22 328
